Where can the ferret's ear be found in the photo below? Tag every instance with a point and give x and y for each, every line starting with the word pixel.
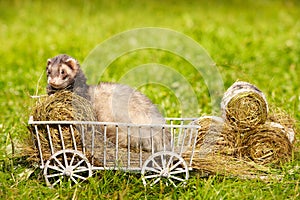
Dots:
pixel 49 61
pixel 71 62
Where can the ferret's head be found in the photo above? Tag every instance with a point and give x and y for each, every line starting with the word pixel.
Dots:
pixel 61 71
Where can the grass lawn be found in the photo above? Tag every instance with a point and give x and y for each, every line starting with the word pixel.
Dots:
pixel 254 41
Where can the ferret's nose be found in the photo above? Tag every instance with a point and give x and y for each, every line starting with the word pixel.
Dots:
pixel 52 81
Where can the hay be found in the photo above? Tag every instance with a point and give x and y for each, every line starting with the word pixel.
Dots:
pixel 61 106
pixel 213 137
pixel 229 166
pixel 267 144
pixel 244 106
pixel 216 150
pixel 286 121
pixel 226 150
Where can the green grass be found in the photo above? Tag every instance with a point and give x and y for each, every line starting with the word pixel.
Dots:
pixel 257 42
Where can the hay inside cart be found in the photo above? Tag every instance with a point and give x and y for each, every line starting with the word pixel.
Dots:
pixel 74 150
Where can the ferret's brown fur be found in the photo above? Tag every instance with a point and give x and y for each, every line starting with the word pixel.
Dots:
pixel 112 103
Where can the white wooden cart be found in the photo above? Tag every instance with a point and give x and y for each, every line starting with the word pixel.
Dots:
pixel 80 161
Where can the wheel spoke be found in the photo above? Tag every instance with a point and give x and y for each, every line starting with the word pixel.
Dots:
pixel 176 178
pixel 170 161
pixel 59 163
pixel 81 170
pixel 152 170
pixel 178 171
pixel 78 176
pixel 172 182
pixel 163 163
pixel 158 179
pixel 174 166
pixel 54 175
pixel 156 164
pixel 152 176
pixel 72 160
pixel 65 159
pixel 57 181
pixel 79 163
pixel 74 180
pixel 55 168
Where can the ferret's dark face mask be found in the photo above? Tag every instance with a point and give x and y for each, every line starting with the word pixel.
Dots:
pixel 60 74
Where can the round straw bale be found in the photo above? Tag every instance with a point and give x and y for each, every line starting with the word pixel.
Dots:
pixel 61 106
pixel 267 144
pixel 244 106
pixel 214 137
pixel 286 121
pixel 217 148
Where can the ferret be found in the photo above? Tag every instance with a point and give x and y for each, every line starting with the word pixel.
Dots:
pixel 112 102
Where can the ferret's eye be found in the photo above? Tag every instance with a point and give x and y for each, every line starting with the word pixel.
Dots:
pixel 62 72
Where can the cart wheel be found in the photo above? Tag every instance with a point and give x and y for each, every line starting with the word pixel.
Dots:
pixel 67 164
pixel 165 166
